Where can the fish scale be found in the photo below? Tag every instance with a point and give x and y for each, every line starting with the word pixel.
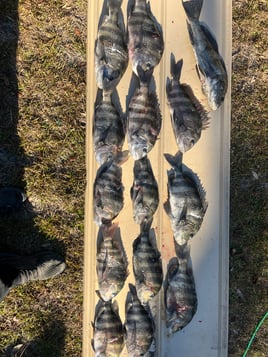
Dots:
pixel 108 338
pixel 111 263
pixel 139 327
pixel 186 204
pixel 147 266
pixel 179 292
pixel 188 117
pixel 145 38
pixel 111 54
pixel 143 117
pixel 144 191
pixel 108 128
pixel 108 190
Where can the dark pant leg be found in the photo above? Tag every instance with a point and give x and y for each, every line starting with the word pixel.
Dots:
pixel 7 275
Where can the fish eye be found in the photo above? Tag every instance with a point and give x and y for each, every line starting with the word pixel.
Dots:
pixel 192 142
pixel 144 150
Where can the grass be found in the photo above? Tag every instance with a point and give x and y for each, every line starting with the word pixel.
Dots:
pixel 248 235
pixel 42 140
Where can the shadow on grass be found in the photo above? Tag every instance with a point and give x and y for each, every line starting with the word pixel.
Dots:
pixel 18 232
pixel 49 343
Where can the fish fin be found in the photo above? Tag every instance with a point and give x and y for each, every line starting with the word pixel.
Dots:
pixel 177 119
pixel 168 85
pixel 174 161
pixel 172 269
pixel 133 290
pixel 191 35
pixel 115 307
pixel 198 185
pixel 145 76
pixel 158 29
pixel 167 208
pixel 198 106
pixel 210 36
pixel 183 255
pixel 99 51
pixel 192 8
pixel 175 67
pixel 183 213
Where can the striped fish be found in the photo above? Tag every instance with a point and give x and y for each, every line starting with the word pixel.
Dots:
pixel 139 326
pixel 143 117
pixel 210 65
pixel 111 263
pixel 180 293
pixel 145 37
pixel 108 337
pixel 187 115
pixel 186 204
pixel 108 128
pixel 147 265
pixel 111 54
pixel 144 191
pixel 108 190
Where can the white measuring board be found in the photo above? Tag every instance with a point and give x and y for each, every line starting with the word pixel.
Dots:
pixel 206 335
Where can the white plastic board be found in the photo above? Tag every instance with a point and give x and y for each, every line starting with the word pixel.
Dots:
pixel 206 335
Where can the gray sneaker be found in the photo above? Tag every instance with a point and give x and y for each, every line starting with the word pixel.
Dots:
pixel 39 266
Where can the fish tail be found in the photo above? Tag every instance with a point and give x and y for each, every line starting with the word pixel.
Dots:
pixel 114 5
pixel 175 67
pixel 146 226
pixel 145 76
pixel 192 8
pixel 174 161
pixel 121 157
pixel 183 251
pixel 109 231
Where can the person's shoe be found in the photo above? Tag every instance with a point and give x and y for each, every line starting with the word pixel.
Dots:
pixel 11 199
pixel 40 266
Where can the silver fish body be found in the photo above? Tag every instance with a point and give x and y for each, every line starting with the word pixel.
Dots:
pixel 180 293
pixel 108 337
pixel 210 65
pixel 186 204
pixel 147 266
pixel 108 190
pixel 111 54
pixel 188 118
pixel 144 191
pixel 112 263
pixel 145 37
pixel 139 327
pixel 108 128
pixel 143 118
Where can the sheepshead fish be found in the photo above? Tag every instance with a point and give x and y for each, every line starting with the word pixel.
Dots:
pixel 186 204
pixel 145 37
pixel 108 128
pixel 139 326
pixel 144 191
pixel 111 54
pixel 147 265
pixel 187 115
pixel 143 118
pixel 210 65
pixel 111 263
pixel 180 293
pixel 108 337
pixel 108 190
